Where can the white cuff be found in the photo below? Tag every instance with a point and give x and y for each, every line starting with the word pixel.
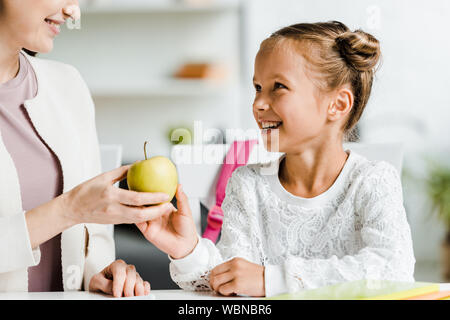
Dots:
pixel 274 280
pixel 15 247
pixel 198 258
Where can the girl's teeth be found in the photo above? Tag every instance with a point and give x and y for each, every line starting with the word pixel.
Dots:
pixel 269 124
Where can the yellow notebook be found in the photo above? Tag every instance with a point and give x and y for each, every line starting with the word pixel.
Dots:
pixel 398 291
pixel 364 290
pixel 440 295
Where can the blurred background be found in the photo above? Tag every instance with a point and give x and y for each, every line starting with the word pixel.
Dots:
pixel 156 65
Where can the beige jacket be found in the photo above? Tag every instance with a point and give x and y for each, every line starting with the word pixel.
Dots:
pixel 64 116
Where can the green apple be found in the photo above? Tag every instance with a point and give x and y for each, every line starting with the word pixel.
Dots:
pixel 157 174
pixel 180 136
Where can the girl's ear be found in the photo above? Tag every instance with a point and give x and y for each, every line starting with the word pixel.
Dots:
pixel 341 105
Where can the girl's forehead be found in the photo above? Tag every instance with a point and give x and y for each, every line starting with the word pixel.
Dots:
pixel 279 58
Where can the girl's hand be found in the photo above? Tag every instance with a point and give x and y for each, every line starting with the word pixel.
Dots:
pixel 173 233
pixel 119 279
pixel 99 201
pixel 238 276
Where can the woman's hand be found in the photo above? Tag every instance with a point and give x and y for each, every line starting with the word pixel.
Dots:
pixel 174 232
pixel 95 201
pixel 99 201
pixel 119 279
pixel 238 276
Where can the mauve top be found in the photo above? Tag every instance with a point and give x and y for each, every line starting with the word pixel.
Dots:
pixel 38 168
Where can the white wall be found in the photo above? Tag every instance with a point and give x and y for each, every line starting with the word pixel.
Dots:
pixel 136 50
pixel 410 101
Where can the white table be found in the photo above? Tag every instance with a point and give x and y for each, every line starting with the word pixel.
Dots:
pixel 83 295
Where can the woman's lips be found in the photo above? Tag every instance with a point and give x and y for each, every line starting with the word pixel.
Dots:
pixel 55 26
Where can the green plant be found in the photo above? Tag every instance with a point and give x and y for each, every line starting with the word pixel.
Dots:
pixel 438 189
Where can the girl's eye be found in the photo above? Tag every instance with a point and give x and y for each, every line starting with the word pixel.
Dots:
pixel 278 85
pixel 257 88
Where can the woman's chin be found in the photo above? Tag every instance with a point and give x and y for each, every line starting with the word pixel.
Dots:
pixel 45 46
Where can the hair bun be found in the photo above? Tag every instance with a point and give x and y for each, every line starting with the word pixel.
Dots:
pixel 359 49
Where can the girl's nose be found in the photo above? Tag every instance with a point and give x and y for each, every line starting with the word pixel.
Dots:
pixel 260 105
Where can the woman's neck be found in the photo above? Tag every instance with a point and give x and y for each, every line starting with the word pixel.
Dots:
pixel 311 172
pixel 9 58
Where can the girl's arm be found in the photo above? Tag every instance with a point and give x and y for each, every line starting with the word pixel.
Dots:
pixel 192 272
pixel 387 251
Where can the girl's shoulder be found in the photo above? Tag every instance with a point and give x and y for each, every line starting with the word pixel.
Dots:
pixel 245 178
pixel 364 168
pixel 373 180
pixel 255 171
pixel 247 173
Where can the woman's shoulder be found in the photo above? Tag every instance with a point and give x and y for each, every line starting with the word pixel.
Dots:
pixel 60 86
pixel 57 74
pixel 52 66
pixel 62 81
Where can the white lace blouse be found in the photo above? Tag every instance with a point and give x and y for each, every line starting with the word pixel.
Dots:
pixel 357 229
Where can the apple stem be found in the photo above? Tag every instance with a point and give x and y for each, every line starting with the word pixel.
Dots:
pixel 145 150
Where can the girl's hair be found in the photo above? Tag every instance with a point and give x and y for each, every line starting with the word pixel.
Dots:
pixel 336 56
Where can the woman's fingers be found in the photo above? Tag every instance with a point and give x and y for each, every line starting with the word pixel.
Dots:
pixel 119 274
pixel 130 281
pixel 139 289
pixel 125 281
pixel 117 174
pixel 142 214
pixel 147 287
pixel 117 213
pixel 100 283
pixel 134 198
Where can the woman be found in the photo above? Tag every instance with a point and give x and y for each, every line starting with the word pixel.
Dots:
pixel 54 203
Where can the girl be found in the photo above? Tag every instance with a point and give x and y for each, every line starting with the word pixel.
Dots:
pixel 324 215
pixel 54 203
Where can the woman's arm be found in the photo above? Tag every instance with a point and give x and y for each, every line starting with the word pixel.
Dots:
pixel 94 201
pixel 55 222
pixel 387 253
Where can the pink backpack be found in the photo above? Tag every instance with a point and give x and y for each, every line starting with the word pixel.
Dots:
pixel 237 156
